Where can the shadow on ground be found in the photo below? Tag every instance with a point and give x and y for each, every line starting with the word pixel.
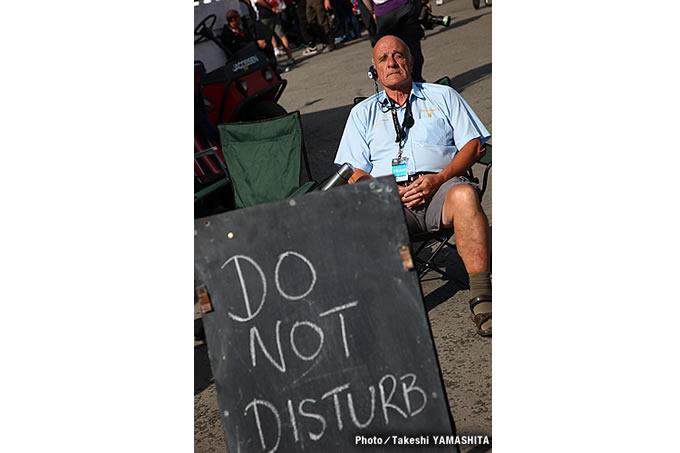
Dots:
pixel 449 260
pixel 301 60
pixel 322 132
pixel 467 78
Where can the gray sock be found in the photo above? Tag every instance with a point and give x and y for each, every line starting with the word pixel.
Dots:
pixel 480 285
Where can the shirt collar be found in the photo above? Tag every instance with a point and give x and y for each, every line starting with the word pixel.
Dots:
pixel 417 90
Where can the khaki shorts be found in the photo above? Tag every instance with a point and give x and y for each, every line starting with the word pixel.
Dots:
pixel 428 217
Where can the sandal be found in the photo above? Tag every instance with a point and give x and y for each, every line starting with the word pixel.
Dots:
pixel 480 318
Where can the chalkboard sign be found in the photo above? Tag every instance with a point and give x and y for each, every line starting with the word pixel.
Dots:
pixel 316 329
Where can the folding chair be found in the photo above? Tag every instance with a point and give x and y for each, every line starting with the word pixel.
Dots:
pixel 264 159
pixel 440 239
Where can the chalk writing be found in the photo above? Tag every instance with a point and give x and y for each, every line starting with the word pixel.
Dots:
pixel 295 337
pixel 316 329
pixel 255 334
pixel 276 275
pixel 270 434
pixel 246 299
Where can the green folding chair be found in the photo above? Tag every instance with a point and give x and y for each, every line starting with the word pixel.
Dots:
pixel 264 159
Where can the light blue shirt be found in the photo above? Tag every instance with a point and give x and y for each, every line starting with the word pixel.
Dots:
pixel 444 122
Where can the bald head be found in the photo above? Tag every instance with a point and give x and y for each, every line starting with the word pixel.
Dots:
pixel 393 62
pixel 390 40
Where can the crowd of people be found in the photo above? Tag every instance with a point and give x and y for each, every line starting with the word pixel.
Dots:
pixel 279 26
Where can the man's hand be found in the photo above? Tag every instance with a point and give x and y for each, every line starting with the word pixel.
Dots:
pixel 420 190
pixel 358 175
pixel 327 5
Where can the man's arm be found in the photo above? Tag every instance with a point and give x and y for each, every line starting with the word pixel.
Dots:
pixel 425 186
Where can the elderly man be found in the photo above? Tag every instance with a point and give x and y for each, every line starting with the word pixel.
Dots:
pixel 427 136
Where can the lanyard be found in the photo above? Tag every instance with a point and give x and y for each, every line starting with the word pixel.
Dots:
pixel 408 122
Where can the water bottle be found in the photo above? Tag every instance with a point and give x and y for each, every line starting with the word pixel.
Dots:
pixel 340 177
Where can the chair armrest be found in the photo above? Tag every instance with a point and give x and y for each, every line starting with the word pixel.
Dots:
pixel 486 157
pixel 306 187
pixel 211 188
pixel 206 152
pixel 303 189
pixel 212 152
pixel 486 161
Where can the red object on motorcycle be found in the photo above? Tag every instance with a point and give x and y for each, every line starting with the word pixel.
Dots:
pixel 228 90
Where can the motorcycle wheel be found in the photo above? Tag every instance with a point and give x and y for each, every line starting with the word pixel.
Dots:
pixel 475 3
pixel 262 110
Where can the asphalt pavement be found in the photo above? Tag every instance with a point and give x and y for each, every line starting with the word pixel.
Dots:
pixel 322 87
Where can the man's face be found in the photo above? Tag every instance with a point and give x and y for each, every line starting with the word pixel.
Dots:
pixel 393 62
pixel 235 22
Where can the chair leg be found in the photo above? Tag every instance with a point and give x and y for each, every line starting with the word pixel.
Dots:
pixel 428 264
pixel 420 249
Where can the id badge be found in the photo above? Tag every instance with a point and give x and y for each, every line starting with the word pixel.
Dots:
pixel 399 169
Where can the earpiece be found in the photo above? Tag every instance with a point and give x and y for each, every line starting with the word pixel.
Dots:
pixel 372 73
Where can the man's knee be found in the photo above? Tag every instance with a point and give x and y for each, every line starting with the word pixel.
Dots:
pixel 462 196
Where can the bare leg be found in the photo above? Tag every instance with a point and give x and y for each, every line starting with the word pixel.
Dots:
pixel 471 226
pixel 286 46
pixel 463 210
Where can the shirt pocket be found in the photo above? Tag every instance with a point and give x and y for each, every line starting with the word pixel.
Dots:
pixel 431 131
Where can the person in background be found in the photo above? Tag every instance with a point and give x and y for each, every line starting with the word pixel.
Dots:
pixel 345 17
pixel 367 18
pixel 235 36
pixel 318 23
pixel 269 16
pixel 310 41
